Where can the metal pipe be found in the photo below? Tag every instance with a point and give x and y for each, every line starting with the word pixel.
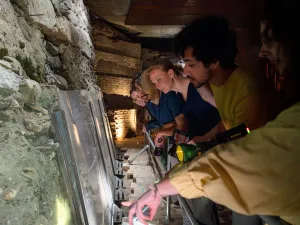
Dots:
pixel 72 174
pixel 138 154
pixel 168 212
pixel 187 209
pixel 150 140
pixel 151 145
pixel 181 200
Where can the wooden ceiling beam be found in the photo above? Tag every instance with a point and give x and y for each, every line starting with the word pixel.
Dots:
pixel 103 67
pixel 120 60
pixel 103 43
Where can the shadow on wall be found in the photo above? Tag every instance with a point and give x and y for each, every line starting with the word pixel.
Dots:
pixel 130 133
pixel 123 123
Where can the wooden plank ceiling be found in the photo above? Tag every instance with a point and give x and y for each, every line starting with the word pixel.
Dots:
pixel 240 13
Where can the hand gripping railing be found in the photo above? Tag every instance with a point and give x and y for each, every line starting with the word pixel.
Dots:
pixel 181 200
pixel 272 220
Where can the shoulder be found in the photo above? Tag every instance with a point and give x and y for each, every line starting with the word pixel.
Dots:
pixel 290 116
pixel 172 95
pixel 245 78
pixel 150 105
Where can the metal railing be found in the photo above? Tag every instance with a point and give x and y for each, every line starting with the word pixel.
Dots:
pixel 272 220
pixel 182 201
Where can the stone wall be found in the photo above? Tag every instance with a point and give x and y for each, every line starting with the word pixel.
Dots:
pixel 115 85
pixel 29 176
pixel 117 60
pixel 44 45
pixel 123 123
pixel 49 38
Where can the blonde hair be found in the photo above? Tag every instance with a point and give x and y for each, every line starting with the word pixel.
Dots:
pixel 149 88
pixel 161 64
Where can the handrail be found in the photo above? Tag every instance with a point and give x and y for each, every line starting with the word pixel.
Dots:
pixel 181 200
pixel 188 210
pixel 272 220
pixel 138 154
pixel 149 139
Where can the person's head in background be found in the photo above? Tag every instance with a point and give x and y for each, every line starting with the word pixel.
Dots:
pixel 137 95
pixel 161 75
pixel 281 44
pixel 207 47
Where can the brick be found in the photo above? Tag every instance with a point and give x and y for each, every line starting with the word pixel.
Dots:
pixel 120 47
pixel 125 61
pixel 114 85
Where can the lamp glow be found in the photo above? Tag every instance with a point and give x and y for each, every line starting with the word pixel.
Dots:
pixel 63 213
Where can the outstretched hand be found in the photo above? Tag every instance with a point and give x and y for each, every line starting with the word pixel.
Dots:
pixel 151 198
pixel 198 139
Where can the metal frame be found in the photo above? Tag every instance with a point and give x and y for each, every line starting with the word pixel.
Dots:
pixel 107 130
pixel 69 172
pixel 182 201
pixel 90 145
pixel 272 220
pixel 87 159
pixel 138 154
pixel 89 148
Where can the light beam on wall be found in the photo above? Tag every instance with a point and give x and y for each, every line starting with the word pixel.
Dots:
pixel 124 120
pixel 63 212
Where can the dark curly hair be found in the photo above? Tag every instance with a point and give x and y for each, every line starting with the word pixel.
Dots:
pixel 211 40
pixel 282 17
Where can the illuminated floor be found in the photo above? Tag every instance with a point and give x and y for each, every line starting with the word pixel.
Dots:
pixel 139 176
pixel 137 142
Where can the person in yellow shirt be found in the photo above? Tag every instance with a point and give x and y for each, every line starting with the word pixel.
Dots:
pixel 258 174
pixel 208 47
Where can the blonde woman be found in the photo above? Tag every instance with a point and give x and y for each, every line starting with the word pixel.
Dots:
pixel 165 109
pixel 202 117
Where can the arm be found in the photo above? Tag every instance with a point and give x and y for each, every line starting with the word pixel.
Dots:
pixel 181 122
pixel 169 129
pixel 175 104
pixel 152 199
pixel 165 188
pixel 151 125
pixel 207 94
pixel 254 175
pixel 210 135
pixel 163 133
pixel 169 125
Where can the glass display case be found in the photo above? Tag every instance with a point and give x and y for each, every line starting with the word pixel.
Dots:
pixel 87 157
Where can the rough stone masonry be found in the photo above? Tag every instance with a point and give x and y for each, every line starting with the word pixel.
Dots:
pixel 44 45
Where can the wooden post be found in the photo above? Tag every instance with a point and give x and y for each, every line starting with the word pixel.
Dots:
pixel 125 61
pixel 125 48
pixel 102 28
